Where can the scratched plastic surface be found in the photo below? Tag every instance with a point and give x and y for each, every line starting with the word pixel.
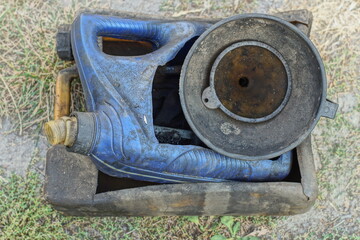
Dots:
pixel 118 92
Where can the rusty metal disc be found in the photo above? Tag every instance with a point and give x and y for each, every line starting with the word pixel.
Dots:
pixel 250 81
pixel 252 87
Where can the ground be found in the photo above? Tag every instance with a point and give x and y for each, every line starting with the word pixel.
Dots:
pixel 28 66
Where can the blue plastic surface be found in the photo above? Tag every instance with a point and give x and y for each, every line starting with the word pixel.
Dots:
pixel 118 91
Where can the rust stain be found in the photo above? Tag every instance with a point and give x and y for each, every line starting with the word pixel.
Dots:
pixel 153 207
pixel 183 203
pixel 251 81
pixel 255 195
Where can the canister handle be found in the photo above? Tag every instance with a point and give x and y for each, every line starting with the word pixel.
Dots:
pixel 163 35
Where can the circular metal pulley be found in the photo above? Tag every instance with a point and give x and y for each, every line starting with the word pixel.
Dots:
pixel 252 87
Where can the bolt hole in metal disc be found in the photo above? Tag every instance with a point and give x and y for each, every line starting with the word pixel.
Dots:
pixel 244 82
pixel 252 87
pixel 251 80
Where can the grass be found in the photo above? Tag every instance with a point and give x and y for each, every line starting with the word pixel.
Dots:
pixel 25 215
pixel 28 67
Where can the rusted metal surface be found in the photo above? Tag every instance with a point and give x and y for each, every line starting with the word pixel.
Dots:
pixel 251 80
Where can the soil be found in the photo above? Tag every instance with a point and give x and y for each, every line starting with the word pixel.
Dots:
pixel 18 152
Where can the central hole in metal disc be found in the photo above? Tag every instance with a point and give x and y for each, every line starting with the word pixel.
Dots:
pixel 250 81
pixel 243 81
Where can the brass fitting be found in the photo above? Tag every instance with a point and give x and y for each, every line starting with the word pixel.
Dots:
pixel 61 131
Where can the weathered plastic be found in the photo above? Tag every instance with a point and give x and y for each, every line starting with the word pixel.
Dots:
pixel 74 186
pixel 118 133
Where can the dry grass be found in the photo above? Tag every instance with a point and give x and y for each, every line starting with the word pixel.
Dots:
pixel 28 63
pixel 28 66
pixel 336 34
